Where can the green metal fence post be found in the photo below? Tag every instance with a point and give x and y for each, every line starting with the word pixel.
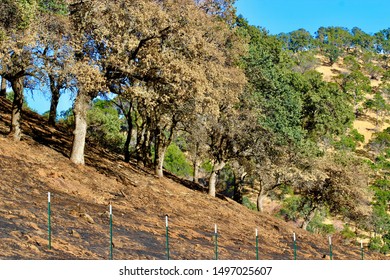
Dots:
pixel 167 235
pixel 295 246
pixel 330 248
pixel 111 247
pixel 49 220
pixel 362 249
pixel 216 241
pixel 257 245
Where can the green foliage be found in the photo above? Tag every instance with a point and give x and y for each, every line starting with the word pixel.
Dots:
pixel 316 225
pixel 382 40
pixel 295 207
pixel 207 166
pixel 305 61
pixel 2 34
pixel 355 85
pixel 249 204
pixel 380 216
pixel 382 163
pixel 385 249
pixel 54 6
pixel 298 40
pixel 104 125
pixel 27 12
pixel 386 240
pixel 326 110
pixel 347 233
pixel 378 104
pixel 346 143
pixel 356 136
pixel 380 141
pixel 332 53
pixel 351 62
pixel 334 35
pixel 375 244
pixel 281 192
pixel 176 162
pixel 275 88
pixel 373 70
pixel 66 118
pixel 290 208
pixel 362 39
pixel 46 114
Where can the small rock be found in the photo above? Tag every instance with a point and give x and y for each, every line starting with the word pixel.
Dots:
pixel 74 233
pixel 105 213
pixel 33 248
pixel 27 237
pixel 35 192
pixel 74 213
pixel 40 232
pixel 16 233
pixel 41 173
pixel 87 217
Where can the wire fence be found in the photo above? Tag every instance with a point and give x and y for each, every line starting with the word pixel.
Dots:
pixel 110 247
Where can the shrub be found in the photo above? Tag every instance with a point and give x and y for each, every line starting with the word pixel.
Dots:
pixel 249 204
pixel 207 166
pixel 290 209
pixel 356 135
pixel 176 162
pixel 347 233
pixel 317 226
pixel 104 125
pixel 384 249
pixel 346 143
pixel 375 244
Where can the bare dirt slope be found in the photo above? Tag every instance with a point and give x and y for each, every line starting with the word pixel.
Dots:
pixel 80 199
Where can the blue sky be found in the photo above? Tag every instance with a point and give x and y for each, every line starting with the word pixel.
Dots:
pixel 288 15
pixel 40 101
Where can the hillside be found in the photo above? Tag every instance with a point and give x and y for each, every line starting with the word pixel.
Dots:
pixel 365 124
pixel 80 198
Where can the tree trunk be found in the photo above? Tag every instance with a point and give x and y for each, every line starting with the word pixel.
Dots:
pixel 55 97
pixel 260 198
pixel 212 183
pixel 126 148
pixel 160 152
pixel 161 144
pixel 145 151
pixel 160 148
pixel 17 105
pixel 196 171
pixel 260 201
pixel 196 165
pixel 3 88
pixel 238 187
pixel 128 136
pixel 213 178
pixel 143 141
pixel 81 106
pixel 308 218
